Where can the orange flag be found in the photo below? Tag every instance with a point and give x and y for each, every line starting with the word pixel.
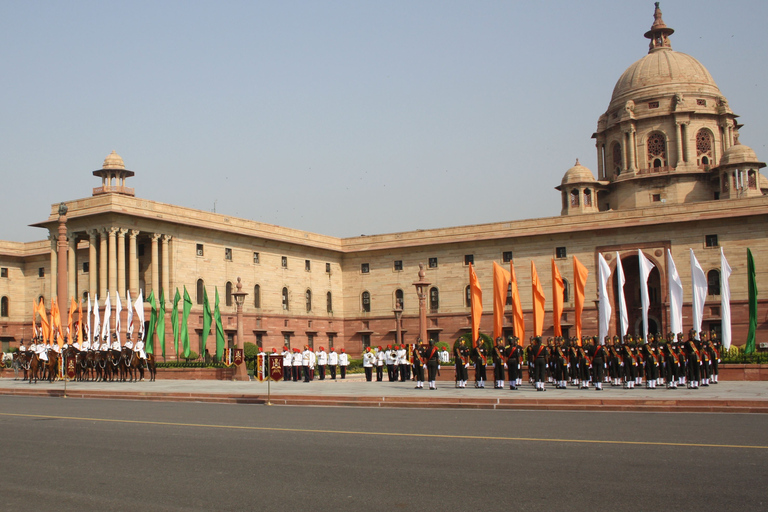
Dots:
pixel 580 274
pixel 45 327
pixel 557 298
pixel 56 324
pixel 79 319
pixel 538 302
pixel 72 308
pixel 500 285
pixel 476 295
pixel 517 306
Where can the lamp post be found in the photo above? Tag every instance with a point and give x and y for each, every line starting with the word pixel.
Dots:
pixel 241 373
pixel 398 328
pixel 421 291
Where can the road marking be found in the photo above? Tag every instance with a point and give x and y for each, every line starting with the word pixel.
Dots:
pixel 386 434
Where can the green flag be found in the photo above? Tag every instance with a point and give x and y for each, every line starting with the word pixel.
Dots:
pixel 184 318
pixel 161 323
pixel 220 337
pixel 175 322
pixel 752 297
pixel 150 348
pixel 206 322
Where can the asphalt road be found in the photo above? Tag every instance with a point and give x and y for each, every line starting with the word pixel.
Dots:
pixel 68 454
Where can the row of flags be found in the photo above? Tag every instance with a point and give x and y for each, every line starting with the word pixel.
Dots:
pixel 504 279
pixel 51 330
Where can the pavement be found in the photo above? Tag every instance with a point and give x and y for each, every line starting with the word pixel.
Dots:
pixel 727 396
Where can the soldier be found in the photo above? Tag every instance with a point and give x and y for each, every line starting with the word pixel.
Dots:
pixel 561 364
pixel 402 362
pixel 670 364
pixel 581 356
pixel 499 363
pixel 380 359
pixel 343 363
pixel 322 361
pixel 550 360
pixel 432 357
pixel 597 354
pixel 445 356
pixel 297 365
pixel 287 364
pixel 513 353
pixel 714 349
pixel 692 361
pixel 461 357
pixel 480 357
pixel 369 359
pixel 418 364
pixel 629 363
pixel 651 359
pixel 333 361
pixel 306 355
pixel 539 356
pixel 390 359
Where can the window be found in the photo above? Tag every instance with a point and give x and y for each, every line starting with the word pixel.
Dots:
pixel 287 340
pixel 86 267
pixel 259 340
pixel 560 252
pixel 751 179
pixel 3 272
pixel 307 265
pixel 616 155
pixel 566 290
pixel 587 197
pixel 365 268
pixel 141 250
pixel 41 272
pixel 256 258
pixel 257 296
pixel 329 302
pixel 285 298
pixel 330 341
pixel 701 103
pixel 432 262
pixel 85 296
pixel 327 268
pixel 710 241
pixel 653 104
pixel 284 261
pixel 4 307
pixel 200 291
pixel 704 147
pixel 200 251
pixel 228 293
pixel 509 295
pixel 434 298
pixel 575 197
pixel 713 282
pixel 228 254
pixel 657 150
pixel 656 198
pixel 399 299
pixel 398 265
pixel 311 341
pixel 469 258
pixel 366 340
pixel 308 296
pixel 367 302
pixel 468 296
pixel 506 256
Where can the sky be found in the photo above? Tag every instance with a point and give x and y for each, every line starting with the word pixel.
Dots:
pixel 337 117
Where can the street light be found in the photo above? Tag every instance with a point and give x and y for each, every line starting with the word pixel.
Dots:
pixel 241 372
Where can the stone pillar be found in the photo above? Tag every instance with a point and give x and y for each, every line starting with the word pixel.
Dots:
pixel 624 165
pixel 687 143
pixel 72 265
pixel 54 265
pixel 155 265
pixel 631 156
pixel 133 263
pixel 166 258
pixel 93 266
pixel 61 267
pixel 103 263
pixel 121 262
pixel 600 155
pixel 679 137
pixel 113 263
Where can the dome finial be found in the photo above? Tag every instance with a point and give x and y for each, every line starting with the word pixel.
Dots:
pixel 659 33
pixel 577 162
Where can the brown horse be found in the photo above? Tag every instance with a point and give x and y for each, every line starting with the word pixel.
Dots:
pixel 133 363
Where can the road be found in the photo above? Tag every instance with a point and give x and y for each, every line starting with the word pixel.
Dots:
pixel 69 454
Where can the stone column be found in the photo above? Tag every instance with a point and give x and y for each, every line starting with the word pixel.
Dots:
pixel 93 265
pixel 103 263
pixel 679 137
pixel 166 258
pixel 631 156
pixel 113 263
pixel 54 265
pixel 155 265
pixel 624 165
pixel 133 263
pixel 72 265
pixel 600 155
pixel 687 143
pixel 61 267
pixel 121 262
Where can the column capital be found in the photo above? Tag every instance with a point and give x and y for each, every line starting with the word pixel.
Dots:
pixel 156 236
pixel 167 238
pixel 133 233
pixel 93 233
pixel 112 231
pixel 122 231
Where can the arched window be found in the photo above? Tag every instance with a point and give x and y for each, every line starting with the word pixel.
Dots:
pixel 616 152
pixel 575 197
pixel 199 293
pixel 468 296
pixel 566 290
pixel 657 150
pixel 4 307
pixel 399 299
pixel 587 197
pixel 85 297
pixel 285 298
pixel 713 282
pixel 752 179
pixel 257 296
pixel 228 296
pixel 704 147
pixel 329 302
pixel 434 298
pixel 366 302
pixel 308 296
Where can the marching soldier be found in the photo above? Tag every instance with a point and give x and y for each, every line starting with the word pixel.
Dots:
pixel 692 361
pixel 390 359
pixel 418 364
pixel 305 358
pixel 297 365
pixel 402 362
pixel 381 357
pixel 322 361
pixel 369 359
pixel 598 357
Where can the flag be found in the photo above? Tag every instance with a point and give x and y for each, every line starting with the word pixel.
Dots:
pixel 580 274
pixel 604 306
pixel 645 271
pixel 517 306
pixel 476 302
pixel 118 312
pixel 79 319
pixel 129 321
pixel 184 317
pixel 623 316
pixel 675 296
pixel 175 323
pixel 500 287
pixel 45 326
pixel 107 314
pixel 150 345
pixel 161 323
pixel 35 306
pixel 56 322
pixel 558 288
pixel 220 337
pixel 752 297
pixel 97 320
pixel 206 321
pixel 138 306
pixel 725 300
pixel 538 302
pixel 72 308
pixel 699 285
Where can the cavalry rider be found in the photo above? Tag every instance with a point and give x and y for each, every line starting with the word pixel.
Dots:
pixel 115 343
pixel 128 342
pixel 104 343
pixel 139 348
pixel 42 351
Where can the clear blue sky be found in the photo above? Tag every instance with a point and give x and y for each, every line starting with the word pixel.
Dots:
pixel 342 118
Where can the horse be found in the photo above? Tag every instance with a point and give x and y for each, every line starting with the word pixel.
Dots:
pixel 133 362
pixel 114 364
pixel 52 365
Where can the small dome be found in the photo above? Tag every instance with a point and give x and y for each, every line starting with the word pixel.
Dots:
pixel 113 161
pixel 578 174
pixel 738 154
pixel 763 182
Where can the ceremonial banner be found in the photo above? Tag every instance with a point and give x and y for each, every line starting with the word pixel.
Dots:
pixel 752 297
pixel 725 300
pixel 261 367
pixel 558 289
pixel 675 296
pixel 580 274
pixel 276 367
pixel 161 323
pixel 138 306
pixel 699 293
pixel 623 315
pixel 476 302
pixel 187 307
pixel 175 323
pixel 130 313
pixel 221 338
pixel 239 356
pixel 207 317
pixel 538 302
pixel 645 271
pixel 149 348
pixel 517 306
pixel 604 306
pixel 118 312
pixel 500 287
pixel 71 369
pixel 107 315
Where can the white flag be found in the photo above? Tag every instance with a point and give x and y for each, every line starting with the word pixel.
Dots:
pixel 725 300
pixel 139 307
pixel 107 314
pixel 645 270
pixel 118 311
pixel 130 312
pixel 699 283
pixel 623 319
pixel 88 330
pixel 96 320
pixel 604 311
pixel 675 296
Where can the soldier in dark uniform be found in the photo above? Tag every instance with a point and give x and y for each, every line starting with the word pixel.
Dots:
pixel 692 361
pixel 419 362
pixel 432 357
pixel 561 364
pixel 651 358
pixel 573 361
pixel 706 363
pixel 614 362
pixel 539 354
pixel 461 356
pixel 597 355
pixel 581 356
pixel 629 362
pixel 480 357
pixel 499 362
pixel 514 355
pixel 529 359
pixel 550 360
pixel 670 364
pixel 714 349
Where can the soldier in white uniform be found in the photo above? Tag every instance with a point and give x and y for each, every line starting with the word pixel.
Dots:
pixel 402 362
pixel 390 358
pixel 115 343
pixel 322 361
pixel 381 357
pixel 343 363
pixel 287 364
pixel 445 356
pixel 305 359
pixel 139 348
pixel 369 359
pixel 297 365
pixel 42 352
pixel 128 342
pixel 333 361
